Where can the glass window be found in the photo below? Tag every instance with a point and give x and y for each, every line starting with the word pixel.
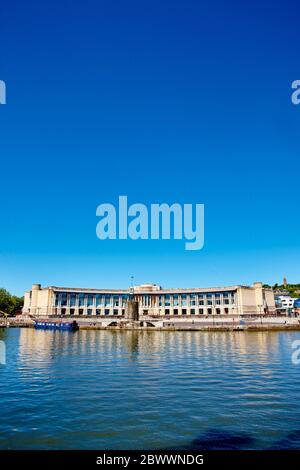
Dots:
pixel 116 300
pixel 167 300
pixel 192 311
pixel 184 311
pixel 99 300
pixel 183 299
pixel 89 311
pixel 107 301
pixel 72 300
pixel 64 299
pixel 175 300
pixel 81 300
pixel 201 311
pixel 106 311
pixel 193 299
pixel 90 300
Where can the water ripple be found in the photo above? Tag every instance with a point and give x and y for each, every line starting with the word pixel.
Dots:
pixel 159 390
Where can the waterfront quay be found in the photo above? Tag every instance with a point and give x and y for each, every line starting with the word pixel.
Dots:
pixel 271 323
pixel 153 301
pixel 149 306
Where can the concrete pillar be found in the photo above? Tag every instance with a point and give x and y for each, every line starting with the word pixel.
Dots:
pixel 132 310
pixel 259 297
pixel 35 298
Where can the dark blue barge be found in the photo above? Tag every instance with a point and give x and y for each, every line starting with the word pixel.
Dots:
pixel 50 325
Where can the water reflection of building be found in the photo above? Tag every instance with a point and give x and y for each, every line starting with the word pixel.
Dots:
pixel 43 345
pixel 154 301
pixel 42 348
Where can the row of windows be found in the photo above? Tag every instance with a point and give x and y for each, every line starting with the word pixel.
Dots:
pixel 90 311
pixel 196 311
pixel 196 299
pixel 192 311
pixel 81 300
pixel 99 300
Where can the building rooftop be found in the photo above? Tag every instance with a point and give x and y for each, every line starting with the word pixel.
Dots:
pixel 146 289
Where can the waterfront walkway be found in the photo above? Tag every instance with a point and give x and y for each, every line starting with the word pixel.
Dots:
pixel 172 324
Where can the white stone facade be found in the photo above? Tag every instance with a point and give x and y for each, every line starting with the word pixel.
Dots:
pixel 154 301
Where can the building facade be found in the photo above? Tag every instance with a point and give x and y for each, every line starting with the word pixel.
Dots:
pixel 154 301
pixel 297 307
pixel 284 302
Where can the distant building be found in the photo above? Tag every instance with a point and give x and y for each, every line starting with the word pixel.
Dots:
pixel 154 301
pixel 284 302
pixel 281 292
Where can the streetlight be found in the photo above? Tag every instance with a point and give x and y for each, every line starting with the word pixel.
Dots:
pixel 131 288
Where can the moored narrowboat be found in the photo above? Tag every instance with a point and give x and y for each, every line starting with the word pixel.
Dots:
pixel 51 325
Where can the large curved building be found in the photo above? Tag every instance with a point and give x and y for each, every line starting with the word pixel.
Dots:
pixel 153 301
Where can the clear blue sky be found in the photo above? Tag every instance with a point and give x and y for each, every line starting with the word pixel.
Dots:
pixel 163 101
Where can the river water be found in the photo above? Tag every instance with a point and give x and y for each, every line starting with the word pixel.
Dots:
pixel 149 390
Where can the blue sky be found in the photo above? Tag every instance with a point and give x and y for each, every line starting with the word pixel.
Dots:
pixel 163 101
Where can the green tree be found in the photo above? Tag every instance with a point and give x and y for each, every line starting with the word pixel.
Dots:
pixel 10 304
pixel 5 300
pixel 16 304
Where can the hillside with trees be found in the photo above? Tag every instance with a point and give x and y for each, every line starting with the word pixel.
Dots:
pixel 291 289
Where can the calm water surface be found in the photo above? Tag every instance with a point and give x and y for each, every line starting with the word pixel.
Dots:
pixel 149 390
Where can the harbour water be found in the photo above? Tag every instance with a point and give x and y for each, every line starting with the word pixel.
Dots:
pixel 149 390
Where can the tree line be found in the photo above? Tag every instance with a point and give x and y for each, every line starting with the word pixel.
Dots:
pixel 10 304
pixel 292 289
